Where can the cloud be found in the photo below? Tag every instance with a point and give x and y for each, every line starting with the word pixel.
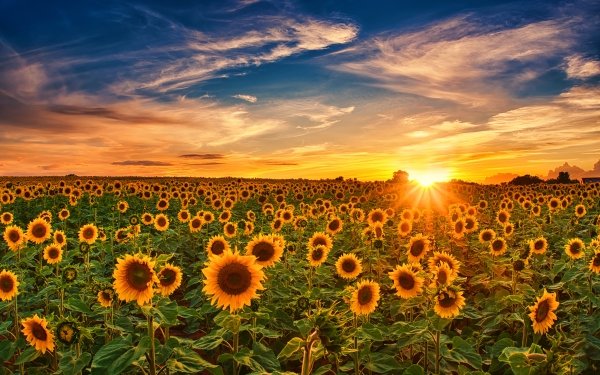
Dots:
pixel 145 163
pixel 248 98
pixel 202 156
pixel 579 67
pixel 457 59
pixel 574 171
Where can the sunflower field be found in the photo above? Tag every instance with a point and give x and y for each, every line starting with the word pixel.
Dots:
pixel 244 276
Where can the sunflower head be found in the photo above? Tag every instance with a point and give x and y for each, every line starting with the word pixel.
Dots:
pixel 37 333
pixel 266 251
pixel 217 245
pixel 538 246
pixel 14 237
pixel 448 303
pixel 106 296
pixel 348 266
pixel 8 285
pixel 317 255
pixel 67 332
pixel 232 280
pixel 320 239
pixel 417 248
pixel 53 254
pixel 134 278
pixel 406 281
pixel 575 248
pixel 170 278
pixel 498 246
pixel 38 231
pixel 88 233
pixel 365 297
pixel 486 235
pixel 542 312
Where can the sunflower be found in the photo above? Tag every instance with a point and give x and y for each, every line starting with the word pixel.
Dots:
pixel 53 254
pixel 459 229
pixel 195 224
pixel 88 233
pixel 6 218
pixel 38 231
pixel 357 215
pixel 448 303
pixel 335 226
pixel 122 206
pixel 217 245
pixel 443 275
pixel 169 277
pixel 509 229
pixel 486 235
pixel 225 216
pixel 439 257
pixel 538 246
pixel 147 218
pixel 542 312
pixel 266 251
pixel 134 278
pixel 365 297
pixel 60 238
pixel 580 211
pixel 232 280
pixel 37 333
pixel 574 248
pixel 63 214
pixel 67 332
pixel 105 297
pixel 404 228
pixel 406 281
pixel 502 217
pixel 471 224
pixel 376 215
pixel 8 285
pixel 498 246
pixel 320 239
pixel 348 266
pixel 595 262
pixel 417 248
pixel 229 230
pixel 14 237
pixel 317 255
pixel 161 222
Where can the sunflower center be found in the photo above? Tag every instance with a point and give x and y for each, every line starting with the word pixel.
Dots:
pixel 497 245
pixel 6 284
pixel 377 217
pixel 230 229
pixel 446 300
pixel 365 295
pixel 167 277
pixel 217 247
pixel 406 281
pixel 404 227
pixel 66 333
pixel 234 279
pixel 60 238
pixel 417 248
pixel 334 225
pixel 348 265
pixel 53 253
pixel 542 311
pixel 317 254
pixel 161 222
pixel 470 224
pixel 486 236
pixel 106 296
pixel 263 251
pixel 458 226
pixel 539 245
pixel 575 248
pixel 88 233
pixel 196 223
pixel 442 277
pixel 39 332
pixel 597 261
pixel 14 236
pixel 39 230
pixel 138 276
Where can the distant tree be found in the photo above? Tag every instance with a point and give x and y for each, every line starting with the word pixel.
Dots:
pixel 563 178
pixel 526 180
pixel 340 178
pixel 400 177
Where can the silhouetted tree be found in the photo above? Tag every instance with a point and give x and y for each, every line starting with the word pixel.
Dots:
pixel 526 180
pixel 400 177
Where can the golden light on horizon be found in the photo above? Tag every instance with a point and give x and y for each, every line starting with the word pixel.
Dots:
pixel 426 178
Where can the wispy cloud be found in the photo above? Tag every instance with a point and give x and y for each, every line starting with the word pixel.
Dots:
pixel 145 163
pixel 202 156
pixel 579 67
pixel 248 98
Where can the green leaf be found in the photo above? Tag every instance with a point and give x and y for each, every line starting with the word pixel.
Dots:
pixel 209 342
pixel 370 332
pixel 291 348
pixel 230 322
pixel 28 355
pixel 463 352
pixel 265 356
pixel 381 363
pixel 244 357
pixel 322 370
pixel 69 365
pixel 167 312
pixel 78 305
pixel 414 370
pixel 188 361
pixel 7 349
pixel 111 353
pixel 133 354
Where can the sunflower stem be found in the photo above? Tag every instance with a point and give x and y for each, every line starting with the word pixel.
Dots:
pixel 236 344
pixel 437 352
pixel 524 333
pixel 151 356
pixel 356 365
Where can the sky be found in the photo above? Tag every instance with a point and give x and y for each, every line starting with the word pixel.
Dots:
pixel 299 89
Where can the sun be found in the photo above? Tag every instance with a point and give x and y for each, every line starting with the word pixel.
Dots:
pixel 429 177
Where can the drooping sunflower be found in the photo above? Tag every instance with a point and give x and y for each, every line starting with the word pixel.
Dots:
pixel 448 303
pixel 14 237
pixel 67 332
pixel 53 253
pixel 439 257
pixel 38 231
pixel 232 280
pixel 348 266
pixel 320 239
pixel 317 255
pixel 365 297
pixel 37 333
pixel 406 281
pixel 170 278
pixel 335 226
pixel 88 233
pixel 417 248
pixel 595 262
pixel 161 222
pixel 217 245
pixel 538 246
pixel 134 278
pixel 486 235
pixel 542 312
pixel 8 285
pixel 575 248
pixel 498 246
pixel 266 251
pixel 6 218
pixel 105 297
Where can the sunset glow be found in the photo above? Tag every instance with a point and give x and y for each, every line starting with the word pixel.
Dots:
pixel 300 89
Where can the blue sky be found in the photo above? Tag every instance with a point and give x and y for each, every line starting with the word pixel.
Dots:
pixel 289 88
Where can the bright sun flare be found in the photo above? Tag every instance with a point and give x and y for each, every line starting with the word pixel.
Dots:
pixel 428 178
